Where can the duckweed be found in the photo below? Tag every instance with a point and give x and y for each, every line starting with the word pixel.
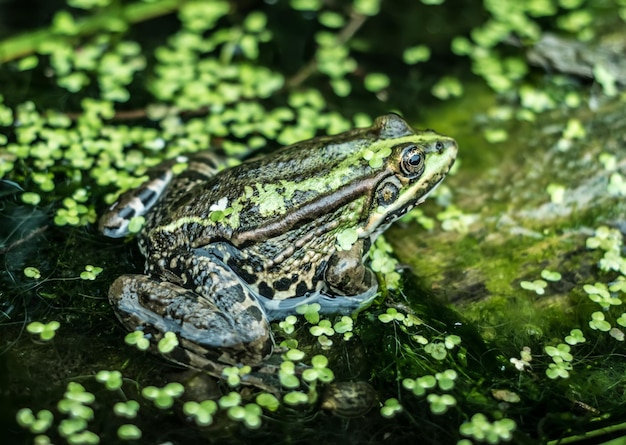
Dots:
pixel 136 224
pixel 202 412
pixel 598 322
pixel 617 334
pixel 287 376
pixel 480 429
pixel 537 286
pixel 250 415
pixel 288 324
pixel 32 272
pixel 375 82
pixel 556 192
pixel 608 161
pixel 344 326
pixel 346 238
pixel 31 198
pixel 599 293
pixel 75 409
pixel 452 341
pixel 421 385
pixel 36 423
pixel 447 87
pixel 129 432
pixel 416 54
pixel 375 160
pixel 617 185
pixel 325 342
pixel 128 409
pixel 233 374
pixel 319 370
pixel 112 380
pixel 46 331
pixel 391 408
pixel 558 370
pixel 268 401
pixel 550 275
pixel 229 400
pixel 90 272
pixel 294 355
pixel 310 312
pixel 324 327
pixel 576 337
pixel 384 263
pixel 163 398
pixel 453 219
pixel 390 315
pixel 559 353
pixel 70 427
pixel 446 379
pixel 439 404
pixel 137 339
pixel 168 343
pixel 84 438
pixel 295 398
pixel 574 129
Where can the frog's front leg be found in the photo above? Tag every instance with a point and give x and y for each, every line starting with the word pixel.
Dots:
pixel 346 274
pixel 214 313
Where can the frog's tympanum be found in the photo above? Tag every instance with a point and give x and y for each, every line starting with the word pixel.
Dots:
pixel 227 252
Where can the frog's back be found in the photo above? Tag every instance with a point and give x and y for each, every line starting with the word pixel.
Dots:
pixel 263 190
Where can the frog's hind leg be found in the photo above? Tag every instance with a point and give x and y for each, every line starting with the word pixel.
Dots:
pixel 230 328
pixel 115 221
pixel 161 184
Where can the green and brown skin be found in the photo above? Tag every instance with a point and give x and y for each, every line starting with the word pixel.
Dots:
pixel 228 251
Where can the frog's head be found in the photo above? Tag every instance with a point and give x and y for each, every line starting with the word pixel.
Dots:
pixel 413 164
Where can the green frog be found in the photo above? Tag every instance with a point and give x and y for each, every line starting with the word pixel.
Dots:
pixel 228 251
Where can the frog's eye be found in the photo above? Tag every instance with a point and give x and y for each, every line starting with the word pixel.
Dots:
pixel 412 161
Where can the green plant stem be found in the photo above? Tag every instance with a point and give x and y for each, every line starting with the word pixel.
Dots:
pixel 25 44
pixel 589 435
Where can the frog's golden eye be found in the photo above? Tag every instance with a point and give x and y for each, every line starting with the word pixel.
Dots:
pixel 412 161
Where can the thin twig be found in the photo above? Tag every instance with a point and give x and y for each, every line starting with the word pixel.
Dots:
pixel 348 31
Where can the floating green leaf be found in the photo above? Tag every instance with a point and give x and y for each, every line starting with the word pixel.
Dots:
pixel 390 408
pixel 129 432
pixel 46 331
pixel 201 412
pixel 168 343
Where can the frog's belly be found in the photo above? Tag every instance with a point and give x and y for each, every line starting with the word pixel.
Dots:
pixel 330 304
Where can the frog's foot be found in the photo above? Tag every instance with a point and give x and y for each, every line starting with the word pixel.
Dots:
pixel 205 328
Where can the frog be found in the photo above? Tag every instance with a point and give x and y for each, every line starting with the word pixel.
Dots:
pixel 230 250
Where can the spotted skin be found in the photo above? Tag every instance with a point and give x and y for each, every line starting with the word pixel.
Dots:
pixel 229 250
